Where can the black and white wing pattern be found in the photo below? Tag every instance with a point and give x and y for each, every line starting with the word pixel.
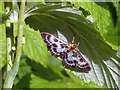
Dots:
pixel 56 46
pixel 75 60
pixel 68 52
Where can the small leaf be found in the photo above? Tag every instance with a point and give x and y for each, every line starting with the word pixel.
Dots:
pixel 2 37
pixel 37 82
pixel 35 47
pixel 3 46
pixel 99 14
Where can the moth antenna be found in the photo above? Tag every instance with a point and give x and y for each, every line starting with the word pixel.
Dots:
pixel 73 40
pixel 78 44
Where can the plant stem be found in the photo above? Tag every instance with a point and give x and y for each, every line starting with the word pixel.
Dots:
pixel 13 72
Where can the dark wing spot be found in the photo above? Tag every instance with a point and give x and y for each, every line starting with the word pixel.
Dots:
pixel 44 34
pixel 55 40
pixel 73 66
pixel 63 55
pixel 70 61
pixel 88 68
pixel 60 41
pixel 55 50
pixel 75 61
pixel 54 45
pixel 74 54
pixel 63 45
pixel 49 46
pixel 81 59
pixel 48 37
pixel 85 65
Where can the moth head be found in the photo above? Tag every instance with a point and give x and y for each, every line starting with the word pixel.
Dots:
pixel 71 46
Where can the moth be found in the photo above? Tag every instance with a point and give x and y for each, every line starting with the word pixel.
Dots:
pixel 68 52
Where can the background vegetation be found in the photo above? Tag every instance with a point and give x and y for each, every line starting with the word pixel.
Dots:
pixel 95 26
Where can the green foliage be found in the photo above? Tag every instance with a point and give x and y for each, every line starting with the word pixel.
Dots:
pixel 34 75
pixel 2 48
pixel 2 40
pixel 39 69
pixel 92 44
pixel 100 12
pixel 34 46
pixel 113 35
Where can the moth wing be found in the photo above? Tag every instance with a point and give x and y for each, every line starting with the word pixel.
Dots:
pixel 61 37
pixel 75 60
pixel 59 48
pixel 56 46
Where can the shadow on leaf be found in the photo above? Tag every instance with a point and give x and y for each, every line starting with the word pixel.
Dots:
pixel 42 72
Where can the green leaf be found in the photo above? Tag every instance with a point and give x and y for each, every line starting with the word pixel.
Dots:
pixel 97 13
pixel 101 56
pixel 113 36
pixel 34 75
pixel 113 31
pixel 22 79
pixel 2 39
pixel 103 18
pixel 37 82
pixel 34 46
pixel 32 4
pixel 3 46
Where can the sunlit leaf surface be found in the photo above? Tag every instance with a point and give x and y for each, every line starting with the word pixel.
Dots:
pixel 34 46
pixel 100 55
pixel 102 16
pixel 2 38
